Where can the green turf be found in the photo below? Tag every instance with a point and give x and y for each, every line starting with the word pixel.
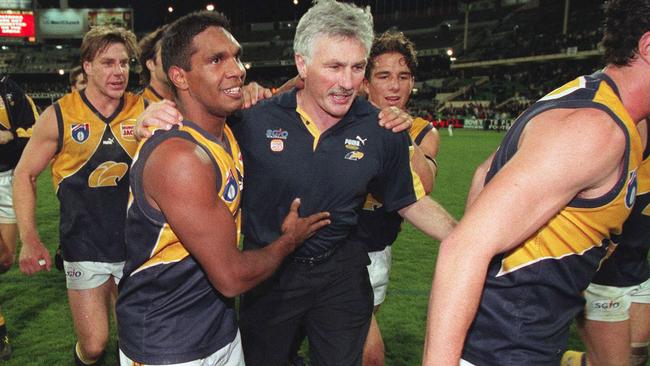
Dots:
pixel 40 324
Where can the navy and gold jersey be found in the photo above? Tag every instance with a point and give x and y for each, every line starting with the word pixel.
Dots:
pixel 151 95
pixel 167 309
pixel 89 173
pixel 17 115
pixel 377 227
pixel 286 157
pixel 628 265
pixel 533 292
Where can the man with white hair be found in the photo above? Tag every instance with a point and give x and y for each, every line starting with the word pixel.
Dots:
pixel 324 144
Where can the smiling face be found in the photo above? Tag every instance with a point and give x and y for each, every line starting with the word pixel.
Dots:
pixel 217 74
pixel 108 72
pixel 332 75
pixel 391 81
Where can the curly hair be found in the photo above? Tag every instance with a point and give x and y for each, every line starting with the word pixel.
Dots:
pixel 392 41
pixel 625 22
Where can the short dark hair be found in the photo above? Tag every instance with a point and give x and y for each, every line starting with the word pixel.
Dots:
pixel 149 46
pixel 392 41
pixel 625 22
pixel 76 71
pixel 177 43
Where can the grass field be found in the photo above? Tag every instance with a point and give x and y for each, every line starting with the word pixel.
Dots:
pixel 40 324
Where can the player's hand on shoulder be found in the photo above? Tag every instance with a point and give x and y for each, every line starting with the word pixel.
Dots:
pixel 160 115
pixel 253 93
pixel 395 119
pixel 298 229
pixel 34 257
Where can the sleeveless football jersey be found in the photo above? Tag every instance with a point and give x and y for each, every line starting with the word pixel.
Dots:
pixel 533 292
pixel 168 310
pixel 378 228
pixel 150 94
pixel 90 178
pixel 628 265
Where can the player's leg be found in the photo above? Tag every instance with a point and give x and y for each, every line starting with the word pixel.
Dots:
pixel 270 316
pixel 91 290
pixel 337 326
pixel 379 273
pixel 8 229
pixel 373 349
pixel 640 324
pixel 605 329
pixel 7 248
pixel 8 233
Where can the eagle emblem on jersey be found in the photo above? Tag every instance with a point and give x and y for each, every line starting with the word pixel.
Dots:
pixel 107 174
pixel 80 132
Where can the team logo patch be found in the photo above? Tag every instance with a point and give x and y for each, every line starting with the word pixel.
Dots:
pixel 354 155
pixel 630 197
pixel 277 145
pixel 80 132
pixel 107 174
pixel 277 134
pixel 128 132
pixel 231 189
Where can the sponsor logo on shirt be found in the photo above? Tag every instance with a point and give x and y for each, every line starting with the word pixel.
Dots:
pixel 351 144
pixel 277 145
pixel 128 132
pixel 277 134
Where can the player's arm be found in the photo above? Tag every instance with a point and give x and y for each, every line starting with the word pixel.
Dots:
pixel 179 179
pixel 429 217
pixel 557 158
pixel 478 180
pixel 40 149
pixel 424 159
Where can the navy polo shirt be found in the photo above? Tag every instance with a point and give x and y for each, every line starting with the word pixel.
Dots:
pixel 286 157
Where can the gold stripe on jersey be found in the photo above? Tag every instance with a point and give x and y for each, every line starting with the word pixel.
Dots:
pixel 168 248
pixel 78 117
pixel 575 230
pixel 309 125
pixel 565 89
pixel 419 124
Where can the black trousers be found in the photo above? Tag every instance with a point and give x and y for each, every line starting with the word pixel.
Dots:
pixel 332 301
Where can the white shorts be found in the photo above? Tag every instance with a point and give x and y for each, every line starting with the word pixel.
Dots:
pixel 88 275
pixel 465 363
pixel 612 304
pixel 379 272
pixel 7 214
pixel 229 355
